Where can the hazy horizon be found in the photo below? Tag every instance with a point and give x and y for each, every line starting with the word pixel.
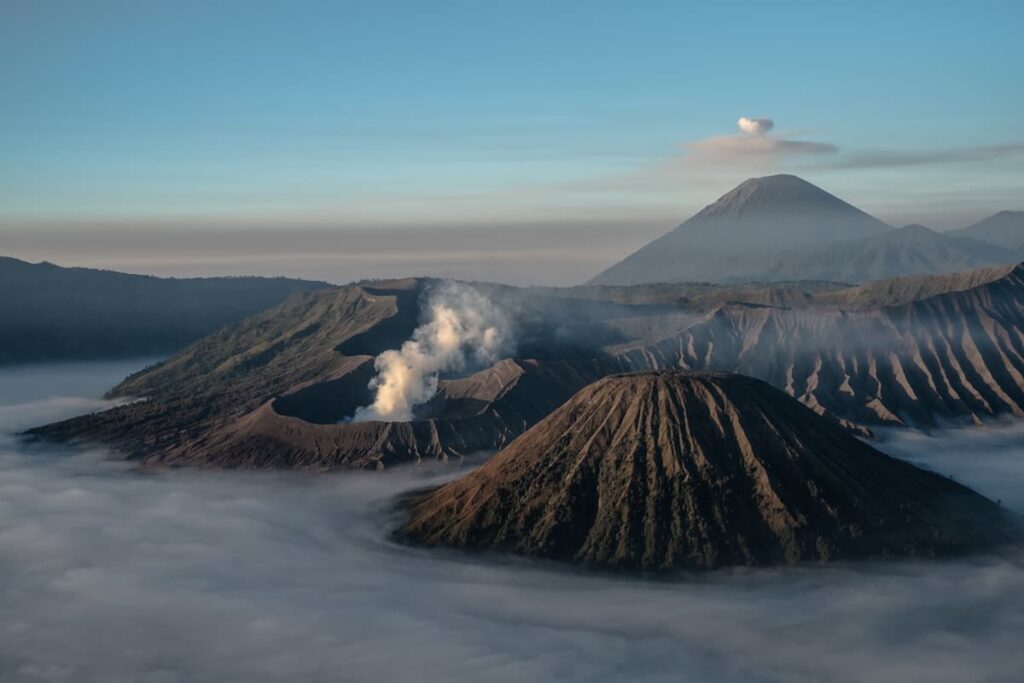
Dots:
pixel 526 253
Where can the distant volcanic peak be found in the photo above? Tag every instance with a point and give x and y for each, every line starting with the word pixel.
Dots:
pixel 730 239
pixel 780 182
pixel 666 470
pixel 776 193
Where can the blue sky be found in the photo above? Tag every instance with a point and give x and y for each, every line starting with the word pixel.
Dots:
pixel 346 114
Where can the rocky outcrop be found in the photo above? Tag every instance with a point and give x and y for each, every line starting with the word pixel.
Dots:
pixel 658 471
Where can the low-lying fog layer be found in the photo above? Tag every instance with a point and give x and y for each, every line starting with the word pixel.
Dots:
pixel 111 574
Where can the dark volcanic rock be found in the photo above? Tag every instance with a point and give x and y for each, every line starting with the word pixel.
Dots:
pixel 657 471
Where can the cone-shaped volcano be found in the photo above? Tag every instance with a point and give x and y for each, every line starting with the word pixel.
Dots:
pixel 735 237
pixel 700 470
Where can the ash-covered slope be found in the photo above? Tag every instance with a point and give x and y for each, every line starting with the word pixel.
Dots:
pixel 910 250
pixel 657 471
pixel 735 237
pixel 906 351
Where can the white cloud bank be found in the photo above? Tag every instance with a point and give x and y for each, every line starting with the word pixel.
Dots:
pixel 179 576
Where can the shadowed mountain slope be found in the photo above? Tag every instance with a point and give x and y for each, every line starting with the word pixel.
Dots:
pixel 51 313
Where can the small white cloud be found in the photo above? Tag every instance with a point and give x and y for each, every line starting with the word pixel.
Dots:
pixel 755 142
pixel 755 126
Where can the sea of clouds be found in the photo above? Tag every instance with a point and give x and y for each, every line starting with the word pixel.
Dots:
pixel 112 574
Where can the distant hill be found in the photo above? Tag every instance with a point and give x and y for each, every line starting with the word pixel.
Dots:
pixel 1004 229
pixel 910 250
pixel 736 236
pixel 52 313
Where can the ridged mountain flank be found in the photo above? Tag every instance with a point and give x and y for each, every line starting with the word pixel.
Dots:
pixel 913 350
pixel 677 470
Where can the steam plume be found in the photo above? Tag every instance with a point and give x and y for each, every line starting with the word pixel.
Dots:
pixel 465 328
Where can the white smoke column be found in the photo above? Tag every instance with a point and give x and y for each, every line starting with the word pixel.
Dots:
pixel 464 327
pixel 755 126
